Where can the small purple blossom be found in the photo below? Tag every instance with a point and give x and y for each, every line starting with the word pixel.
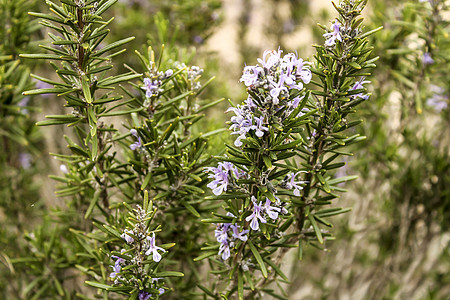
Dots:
pixel 138 143
pixel 144 295
pixel 280 204
pixel 161 290
pixel 256 215
pixel 242 123
pixel 295 102
pixel 272 61
pixel 168 73
pixel 153 249
pixel 271 211
pixel 427 59
pixel 439 101
pixel 224 249
pixel 239 235
pixel 296 185
pixel 198 39
pixel 127 237
pixel 277 89
pixel 150 87
pixel 25 160
pixel 295 68
pixel 250 75
pixel 259 128
pixel 117 267
pixel 220 182
pixel 221 176
pixel 250 103
pixel 221 232
pixel 359 85
pixel 334 35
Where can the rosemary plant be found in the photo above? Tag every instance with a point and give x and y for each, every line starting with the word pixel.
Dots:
pixel 275 181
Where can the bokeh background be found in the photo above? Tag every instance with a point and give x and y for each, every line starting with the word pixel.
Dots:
pixel 394 244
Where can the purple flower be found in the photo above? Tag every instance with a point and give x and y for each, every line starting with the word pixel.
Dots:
pixel 256 215
pixel 427 59
pixel 224 249
pixel 359 85
pixel 250 103
pixel 280 204
pixel 292 184
pixel 296 68
pixel 220 182
pixel 150 87
pixel 117 267
pixel 168 73
pixel 137 144
pixel 259 126
pixel 273 59
pixel 221 232
pixel 126 237
pixel 154 249
pixel 271 211
pixel 239 235
pixel 302 71
pixel 161 290
pixel 334 35
pixel 25 160
pixel 144 295
pixel 295 102
pixel 290 81
pixel 250 75
pixel 221 176
pixel 439 101
pixel 198 39
pixel 277 89
pixel 242 123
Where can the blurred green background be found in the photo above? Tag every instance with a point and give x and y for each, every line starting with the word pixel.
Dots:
pixel 395 242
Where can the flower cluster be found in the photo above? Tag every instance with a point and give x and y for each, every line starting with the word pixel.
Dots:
pixel 275 89
pixel 143 246
pixel 223 176
pixel 141 238
pixel 227 234
pixel 270 84
pixel 260 211
pixel 143 295
pixel 153 83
